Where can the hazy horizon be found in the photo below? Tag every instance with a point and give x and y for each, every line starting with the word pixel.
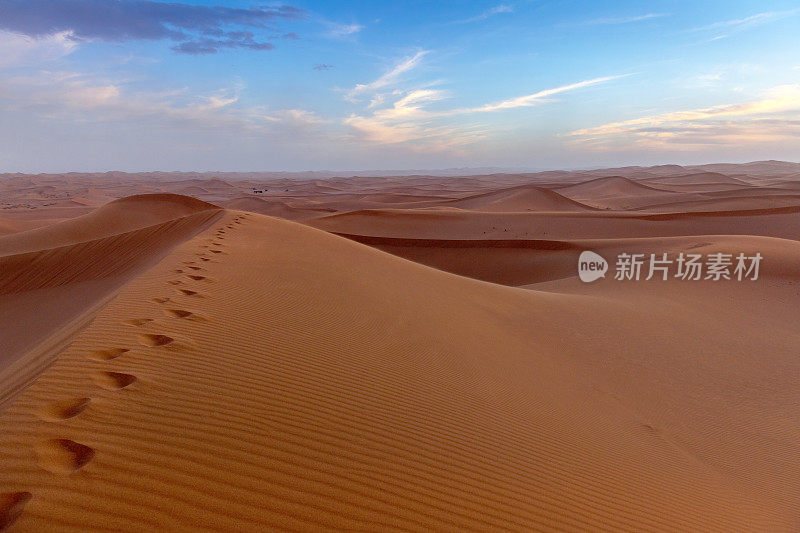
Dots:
pixel 455 171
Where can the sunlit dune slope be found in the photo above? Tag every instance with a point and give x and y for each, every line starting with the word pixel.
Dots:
pixel 51 277
pixel 275 207
pixel 523 198
pixel 618 192
pixel 697 178
pixel 442 223
pixel 269 375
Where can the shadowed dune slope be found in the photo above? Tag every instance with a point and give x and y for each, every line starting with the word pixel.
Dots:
pixel 51 277
pixel 119 216
pixel 513 262
pixel 269 375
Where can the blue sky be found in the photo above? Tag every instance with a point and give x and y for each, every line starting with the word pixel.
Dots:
pixel 140 85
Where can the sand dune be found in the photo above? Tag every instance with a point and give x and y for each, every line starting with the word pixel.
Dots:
pixel 257 393
pixel 697 178
pixel 276 207
pixel 52 277
pixel 522 198
pixel 167 364
pixel 608 186
pixel 617 192
pixel 445 224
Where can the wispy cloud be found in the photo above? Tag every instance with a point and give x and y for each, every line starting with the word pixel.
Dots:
pixel 323 66
pixel 389 77
pixel 725 28
pixel 79 98
pixel 197 29
pixel 728 74
pixel 529 100
pixel 18 49
pixel 622 20
pixel 496 10
pixel 337 30
pixel 410 120
pixel 746 121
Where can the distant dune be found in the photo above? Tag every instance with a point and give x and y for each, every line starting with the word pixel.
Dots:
pixel 522 198
pixel 275 208
pixel 698 178
pixel 609 186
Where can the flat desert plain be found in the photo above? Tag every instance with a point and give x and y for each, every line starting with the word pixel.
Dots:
pixel 248 352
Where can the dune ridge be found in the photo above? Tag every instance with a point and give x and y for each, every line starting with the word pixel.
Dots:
pixel 50 287
pixel 521 198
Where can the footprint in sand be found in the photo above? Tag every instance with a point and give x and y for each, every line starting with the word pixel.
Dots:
pixel 113 380
pixel 64 409
pixel 152 339
pixel 138 321
pixel 63 456
pixel 179 313
pixel 174 282
pixel 196 268
pixel 160 300
pixel 187 292
pixel 11 506
pixel 107 355
pixel 196 277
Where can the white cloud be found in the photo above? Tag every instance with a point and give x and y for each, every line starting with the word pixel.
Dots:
pixel 534 98
pixel 622 20
pixel 727 27
pixel 408 121
pixel 343 30
pixel 496 10
pixel 753 20
pixel 776 114
pixel 388 78
pixel 17 49
pixel 70 96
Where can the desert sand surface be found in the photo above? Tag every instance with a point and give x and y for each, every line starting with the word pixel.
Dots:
pixel 247 352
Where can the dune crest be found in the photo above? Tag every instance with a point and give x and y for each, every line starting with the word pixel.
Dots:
pixel 54 277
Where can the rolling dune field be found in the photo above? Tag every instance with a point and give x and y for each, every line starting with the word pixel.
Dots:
pixel 183 353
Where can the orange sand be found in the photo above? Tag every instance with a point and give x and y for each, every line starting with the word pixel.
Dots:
pixel 171 365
